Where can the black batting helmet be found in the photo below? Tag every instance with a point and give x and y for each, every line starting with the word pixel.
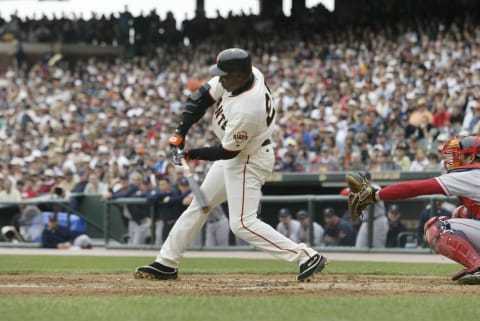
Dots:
pixel 232 60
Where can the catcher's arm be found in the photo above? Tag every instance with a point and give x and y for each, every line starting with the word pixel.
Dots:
pixel 361 194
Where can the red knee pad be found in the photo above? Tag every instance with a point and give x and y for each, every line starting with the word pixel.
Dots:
pixel 433 227
pixel 462 212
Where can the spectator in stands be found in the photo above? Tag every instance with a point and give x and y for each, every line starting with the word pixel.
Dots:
pixel 94 185
pixel 441 115
pixel 26 188
pixel 162 164
pixel 395 228
pixel 356 163
pixel 303 234
pixel 167 210
pixel 434 163
pixel 338 232
pixel 381 140
pixel 385 163
pixel 390 164
pixel 401 158
pixel 47 182
pixel 420 161
pixel 287 225
pixel 68 182
pixel 289 163
pixel 8 192
pixel 327 162
pixel 408 128
pixel 79 187
pixel 136 216
pixel 376 158
pixel 474 125
pixel 76 155
pixel 59 237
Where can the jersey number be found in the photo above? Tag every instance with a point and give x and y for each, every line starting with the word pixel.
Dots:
pixel 270 110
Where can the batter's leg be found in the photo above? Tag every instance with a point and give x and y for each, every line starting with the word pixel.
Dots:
pixel 243 183
pixel 192 219
pixel 185 229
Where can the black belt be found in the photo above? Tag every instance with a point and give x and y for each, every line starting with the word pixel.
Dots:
pixel 266 142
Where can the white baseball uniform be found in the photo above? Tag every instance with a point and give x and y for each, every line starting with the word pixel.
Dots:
pixel 217 230
pixel 245 123
pixel 380 226
pixel 289 230
pixel 464 185
pixel 303 234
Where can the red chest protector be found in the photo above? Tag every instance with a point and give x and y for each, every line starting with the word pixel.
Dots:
pixel 472 206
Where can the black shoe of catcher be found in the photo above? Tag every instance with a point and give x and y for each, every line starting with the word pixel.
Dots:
pixel 156 271
pixel 314 265
pixel 472 278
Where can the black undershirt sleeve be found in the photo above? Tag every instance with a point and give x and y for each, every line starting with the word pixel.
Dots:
pixel 211 153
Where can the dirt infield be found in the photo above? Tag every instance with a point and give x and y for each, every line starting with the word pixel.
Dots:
pixel 332 285
pixel 231 285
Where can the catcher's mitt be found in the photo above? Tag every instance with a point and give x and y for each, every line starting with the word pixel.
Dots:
pixel 355 181
pixel 361 194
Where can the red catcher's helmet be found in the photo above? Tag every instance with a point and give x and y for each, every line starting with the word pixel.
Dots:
pixel 454 148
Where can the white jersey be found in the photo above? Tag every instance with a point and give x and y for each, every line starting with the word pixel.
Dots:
pixel 465 184
pixel 290 231
pixel 303 235
pixel 239 123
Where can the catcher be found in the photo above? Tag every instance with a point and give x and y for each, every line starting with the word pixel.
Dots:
pixel 456 238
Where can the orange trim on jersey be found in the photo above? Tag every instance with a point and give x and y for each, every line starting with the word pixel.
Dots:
pixel 241 215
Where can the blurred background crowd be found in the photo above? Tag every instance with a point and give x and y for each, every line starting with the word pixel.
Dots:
pixel 351 94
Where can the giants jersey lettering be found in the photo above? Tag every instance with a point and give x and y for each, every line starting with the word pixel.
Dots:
pixel 243 122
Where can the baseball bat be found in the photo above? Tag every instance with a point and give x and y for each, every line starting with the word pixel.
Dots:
pixel 197 192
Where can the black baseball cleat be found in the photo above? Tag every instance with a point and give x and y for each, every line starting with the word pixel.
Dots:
pixel 314 265
pixel 472 278
pixel 156 271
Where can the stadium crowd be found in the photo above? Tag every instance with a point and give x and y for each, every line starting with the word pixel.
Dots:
pixel 379 98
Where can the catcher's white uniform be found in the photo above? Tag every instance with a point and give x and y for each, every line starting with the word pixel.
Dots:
pixel 245 123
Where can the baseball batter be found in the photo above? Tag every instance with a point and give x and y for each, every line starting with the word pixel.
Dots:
pixel 243 120
pixel 457 238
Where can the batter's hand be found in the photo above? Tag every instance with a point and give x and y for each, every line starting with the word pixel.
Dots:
pixel 178 155
pixel 177 140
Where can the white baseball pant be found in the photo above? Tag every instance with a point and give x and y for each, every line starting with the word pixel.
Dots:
pixel 237 181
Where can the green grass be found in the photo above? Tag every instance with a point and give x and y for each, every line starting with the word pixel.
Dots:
pixel 223 308
pixel 24 264
pixel 228 308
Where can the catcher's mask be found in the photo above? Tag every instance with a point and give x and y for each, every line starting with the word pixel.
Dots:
pixel 455 148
